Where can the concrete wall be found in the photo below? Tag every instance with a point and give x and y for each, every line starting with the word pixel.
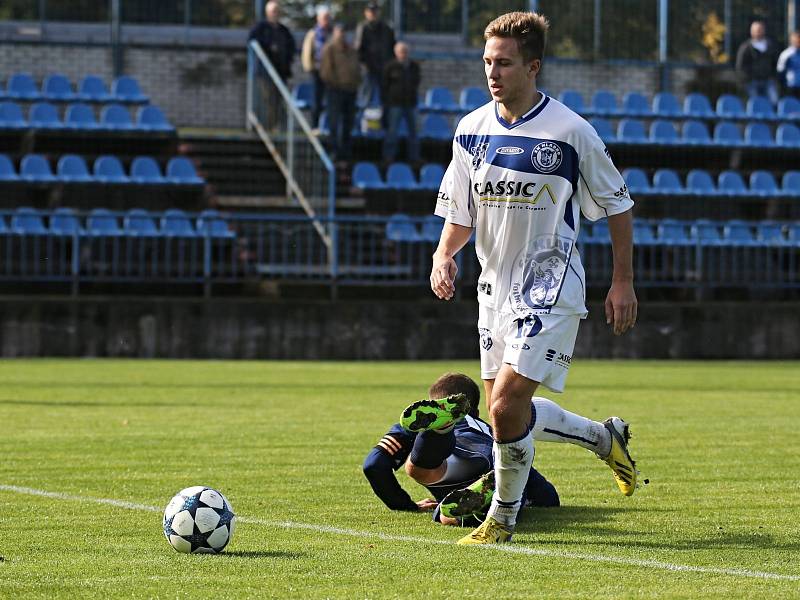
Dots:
pixel 260 329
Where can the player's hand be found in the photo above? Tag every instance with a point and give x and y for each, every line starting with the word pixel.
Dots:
pixel 443 276
pixel 621 306
pixel 427 505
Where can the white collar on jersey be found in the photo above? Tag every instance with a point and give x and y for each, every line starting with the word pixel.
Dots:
pixel 535 110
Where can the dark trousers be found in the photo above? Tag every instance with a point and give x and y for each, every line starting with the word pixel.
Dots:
pixel 341 113
pixel 319 98
pixel 393 116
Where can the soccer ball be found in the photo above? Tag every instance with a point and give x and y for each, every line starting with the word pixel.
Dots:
pixel 199 520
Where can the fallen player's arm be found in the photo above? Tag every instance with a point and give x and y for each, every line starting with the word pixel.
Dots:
pixel 379 469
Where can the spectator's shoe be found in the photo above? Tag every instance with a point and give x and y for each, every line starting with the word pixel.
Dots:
pixel 471 500
pixel 619 459
pixel 425 415
pixel 489 532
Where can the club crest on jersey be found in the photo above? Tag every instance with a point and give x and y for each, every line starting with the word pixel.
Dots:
pixel 538 272
pixel 546 156
pixel 478 152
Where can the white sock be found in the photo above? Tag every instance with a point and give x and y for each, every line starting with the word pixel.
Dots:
pixel 512 463
pixel 554 424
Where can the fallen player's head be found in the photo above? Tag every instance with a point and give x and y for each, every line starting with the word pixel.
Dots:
pixel 457 383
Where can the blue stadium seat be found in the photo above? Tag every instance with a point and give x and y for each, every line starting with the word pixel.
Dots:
pixel 787 135
pixel 472 98
pixel 126 89
pixel 643 233
pixel 695 133
pixel 108 169
pixel 698 106
pixel 700 183
pixel 399 176
pixel 80 116
pixel 101 222
pixel 630 131
pixel 759 107
pixel 727 134
pixel 603 129
pixel 303 95
pixel 730 107
pixel 11 116
pixel 64 222
pixel 739 233
pixel 366 176
pixel 793 234
pixel 140 223
pixel 180 170
pixel 430 176
pixel 637 181
pixel 663 132
pixel 673 232
pixel 789 108
pixel 599 233
pixel 44 115
pixel 763 183
pixel 572 99
pixel 400 228
pixel 4 230
pixel 439 99
pixel 71 168
pixel 150 118
pixel 706 232
pixel 666 181
pixel 36 169
pixel 116 117
pixel 666 105
pixel 93 89
pixel 144 169
pixel 211 224
pixel 730 183
pixel 175 223
pixel 604 104
pixel 635 104
pixel 432 228
pixel 790 183
pixel 322 124
pixel 758 134
pixel 22 87
pixel 27 221
pixel 771 233
pixel 436 127
pixel 58 88
pixel 7 170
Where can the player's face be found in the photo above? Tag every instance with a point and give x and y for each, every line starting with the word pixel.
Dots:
pixel 509 77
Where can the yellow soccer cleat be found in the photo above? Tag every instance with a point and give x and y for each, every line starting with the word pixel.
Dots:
pixel 618 458
pixel 489 532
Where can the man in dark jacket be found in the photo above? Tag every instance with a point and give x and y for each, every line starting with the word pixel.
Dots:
pixel 756 62
pixel 374 42
pixel 400 84
pixel 275 40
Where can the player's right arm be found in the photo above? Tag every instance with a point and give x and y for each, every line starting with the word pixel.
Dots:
pixel 444 269
pixel 380 464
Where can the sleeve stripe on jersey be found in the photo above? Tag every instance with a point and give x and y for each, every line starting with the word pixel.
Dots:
pixel 391 445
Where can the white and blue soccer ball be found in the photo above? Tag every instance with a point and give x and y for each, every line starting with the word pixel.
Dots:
pixel 199 520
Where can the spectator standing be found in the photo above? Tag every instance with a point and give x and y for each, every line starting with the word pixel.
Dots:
pixel 789 65
pixel 756 60
pixel 310 56
pixel 375 44
pixel 401 78
pixel 275 40
pixel 341 74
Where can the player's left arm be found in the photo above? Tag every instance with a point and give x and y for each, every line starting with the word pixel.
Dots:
pixel 621 304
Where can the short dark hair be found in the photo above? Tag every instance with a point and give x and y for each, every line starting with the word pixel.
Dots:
pixel 457 383
pixel 529 29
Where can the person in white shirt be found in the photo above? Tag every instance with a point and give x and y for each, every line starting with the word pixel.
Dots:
pixel 524 168
pixel 789 65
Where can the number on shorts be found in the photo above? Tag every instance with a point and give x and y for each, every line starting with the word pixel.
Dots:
pixel 533 323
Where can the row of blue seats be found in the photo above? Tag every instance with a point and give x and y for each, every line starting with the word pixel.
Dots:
pixel 71 168
pixel 57 87
pixel 695 133
pixel 433 127
pixel 695 106
pixel 80 116
pixel 700 183
pixel 103 222
pixel 399 176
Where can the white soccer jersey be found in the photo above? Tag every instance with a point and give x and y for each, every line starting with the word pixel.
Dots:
pixel 522 186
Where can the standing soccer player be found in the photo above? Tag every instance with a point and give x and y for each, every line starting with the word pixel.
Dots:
pixel 524 168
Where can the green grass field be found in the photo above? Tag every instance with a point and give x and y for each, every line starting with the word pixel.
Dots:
pixel 285 442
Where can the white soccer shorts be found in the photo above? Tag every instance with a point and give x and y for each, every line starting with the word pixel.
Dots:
pixel 538 347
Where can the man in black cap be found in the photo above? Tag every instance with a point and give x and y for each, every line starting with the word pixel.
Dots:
pixel 375 45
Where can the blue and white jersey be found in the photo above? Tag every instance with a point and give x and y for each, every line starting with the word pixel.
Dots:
pixel 789 66
pixel 523 186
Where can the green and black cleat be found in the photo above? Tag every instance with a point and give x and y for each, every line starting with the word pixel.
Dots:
pixel 471 500
pixel 425 415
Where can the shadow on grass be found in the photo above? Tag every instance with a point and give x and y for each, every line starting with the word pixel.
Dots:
pixel 263 554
